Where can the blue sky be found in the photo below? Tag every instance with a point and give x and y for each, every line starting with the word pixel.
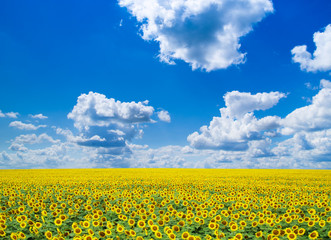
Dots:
pixel 73 61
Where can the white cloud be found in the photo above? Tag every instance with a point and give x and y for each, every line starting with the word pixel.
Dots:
pixel 236 139
pixel 325 83
pixel 25 126
pixel 164 157
pixel 237 124
pixel 164 116
pixel 239 103
pixel 314 117
pixel 321 60
pixel 300 140
pixel 203 33
pixel 18 147
pixel 108 123
pixel 38 116
pixel 12 114
pixel 5 158
pixel 232 134
pixel 34 139
pixel 9 114
pixel 94 109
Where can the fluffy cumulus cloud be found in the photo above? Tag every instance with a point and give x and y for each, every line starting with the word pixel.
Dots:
pixel 109 123
pixel 237 124
pixel 302 139
pixel 95 109
pixel 204 33
pixel 314 117
pixel 25 126
pixel 235 139
pixel 164 116
pixel 239 103
pixel 320 60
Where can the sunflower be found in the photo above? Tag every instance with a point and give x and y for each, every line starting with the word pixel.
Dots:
pixel 35 230
pixel 88 208
pixel 175 228
pixel 158 234
pixel 218 218
pixel 261 221
pixel 288 220
pixel 172 236
pixel 109 225
pixel 108 232
pixel 78 231
pixel 321 223
pixel 243 223
pixel 238 236
pixel 21 235
pixel 258 234
pixel 19 219
pixel 166 218
pixel 154 228
pixel 150 222
pixel 292 236
pixel 212 226
pixel 13 236
pixel 119 228
pixel 30 223
pixel 48 234
pixel 185 235
pixel 131 222
pixel 23 225
pixel 288 230
pixel 86 224
pixel 90 231
pixel 127 232
pixel 63 217
pixel 102 234
pixel 58 222
pixel 276 232
pixel 38 224
pixel 313 235
pixel 310 223
pixel 141 224
pixel 234 227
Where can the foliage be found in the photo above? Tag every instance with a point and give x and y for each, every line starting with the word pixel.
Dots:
pixel 165 204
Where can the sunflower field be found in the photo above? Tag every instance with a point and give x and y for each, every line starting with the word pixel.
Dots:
pixel 155 204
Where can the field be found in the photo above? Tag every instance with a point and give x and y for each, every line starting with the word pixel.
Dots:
pixel 165 204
